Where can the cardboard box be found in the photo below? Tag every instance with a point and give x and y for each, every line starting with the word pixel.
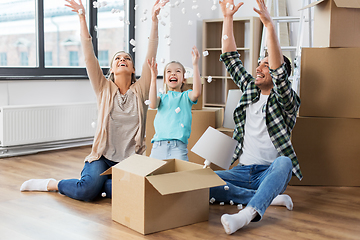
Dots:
pixel 219 115
pixel 201 120
pixel 151 195
pixel 336 23
pixel 329 84
pixel 328 151
pixel 189 85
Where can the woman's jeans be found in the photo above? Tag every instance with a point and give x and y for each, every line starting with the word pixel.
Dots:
pixel 254 185
pixel 91 184
pixel 169 149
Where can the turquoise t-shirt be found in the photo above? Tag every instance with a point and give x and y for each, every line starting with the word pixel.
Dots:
pixel 173 117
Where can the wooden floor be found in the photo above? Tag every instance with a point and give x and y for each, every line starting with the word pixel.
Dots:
pixel 319 212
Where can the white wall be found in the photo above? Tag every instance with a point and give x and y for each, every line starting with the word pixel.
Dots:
pixel 183 37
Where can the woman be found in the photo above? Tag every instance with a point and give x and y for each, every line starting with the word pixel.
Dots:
pixel 121 114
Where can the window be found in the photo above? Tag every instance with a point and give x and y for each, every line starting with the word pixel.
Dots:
pixel 41 39
pixel 3 59
pixel 104 58
pixel 24 60
pixel 73 58
pixel 48 59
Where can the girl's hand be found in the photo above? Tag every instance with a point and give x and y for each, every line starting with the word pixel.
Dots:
pixel 153 68
pixel 227 11
pixel 195 56
pixel 156 8
pixel 75 6
pixel 263 13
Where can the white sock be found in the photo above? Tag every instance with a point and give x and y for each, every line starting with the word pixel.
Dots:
pixel 234 222
pixel 36 185
pixel 283 200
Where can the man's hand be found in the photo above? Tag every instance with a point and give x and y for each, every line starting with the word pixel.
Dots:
pixel 264 14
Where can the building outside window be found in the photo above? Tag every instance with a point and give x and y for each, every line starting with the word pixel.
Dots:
pixel 24 59
pixel 3 59
pixel 48 59
pixel 104 58
pixel 73 58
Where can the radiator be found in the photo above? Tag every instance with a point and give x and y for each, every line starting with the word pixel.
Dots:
pixel 22 125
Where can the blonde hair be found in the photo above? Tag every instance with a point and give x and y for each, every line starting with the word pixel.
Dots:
pixel 182 68
pixel 110 75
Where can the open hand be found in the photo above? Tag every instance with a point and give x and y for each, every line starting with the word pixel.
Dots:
pixel 195 55
pixel 75 6
pixel 263 13
pixel 226 8
pixel 156 8
pixel 153 67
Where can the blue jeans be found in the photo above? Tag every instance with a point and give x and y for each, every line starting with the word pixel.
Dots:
pixel 91 184
pixel 254 185
pixel 169 149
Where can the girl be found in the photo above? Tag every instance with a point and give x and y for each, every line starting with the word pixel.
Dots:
pixel 173 119
pixel 121 115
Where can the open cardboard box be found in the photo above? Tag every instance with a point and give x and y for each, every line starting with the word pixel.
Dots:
pixel 151 195
pixel 336 23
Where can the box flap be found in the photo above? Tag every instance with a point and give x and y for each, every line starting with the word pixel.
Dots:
pixel 107 172
pixel 312 4
pixel 185 181
pixel 140 165
pixel 347 3
pixel 338 3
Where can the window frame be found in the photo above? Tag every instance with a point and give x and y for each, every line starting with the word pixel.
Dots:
pixel 50 73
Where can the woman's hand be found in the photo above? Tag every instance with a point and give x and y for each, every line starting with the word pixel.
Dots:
pixel 75 6
pixel 226 8
pixel 156 8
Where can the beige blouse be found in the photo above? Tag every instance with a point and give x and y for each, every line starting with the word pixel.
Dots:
pixel 105 91
pixel 123 127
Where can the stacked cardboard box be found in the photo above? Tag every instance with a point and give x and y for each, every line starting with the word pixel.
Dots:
pixel 326 136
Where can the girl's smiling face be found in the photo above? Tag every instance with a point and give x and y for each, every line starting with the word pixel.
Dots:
pixel 174 76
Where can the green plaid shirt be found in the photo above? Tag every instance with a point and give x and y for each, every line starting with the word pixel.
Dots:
pixel 280 109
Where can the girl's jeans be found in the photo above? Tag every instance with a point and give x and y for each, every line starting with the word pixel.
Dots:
pixel 169 149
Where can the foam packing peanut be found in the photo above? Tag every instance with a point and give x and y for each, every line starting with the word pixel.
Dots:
pixel 133 42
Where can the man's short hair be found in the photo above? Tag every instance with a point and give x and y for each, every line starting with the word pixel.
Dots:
pixel 287 64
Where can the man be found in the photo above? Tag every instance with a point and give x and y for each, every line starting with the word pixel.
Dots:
pixel 264 118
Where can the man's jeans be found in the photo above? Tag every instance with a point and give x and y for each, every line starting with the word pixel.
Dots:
pixel 254 185
pixel 91 184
